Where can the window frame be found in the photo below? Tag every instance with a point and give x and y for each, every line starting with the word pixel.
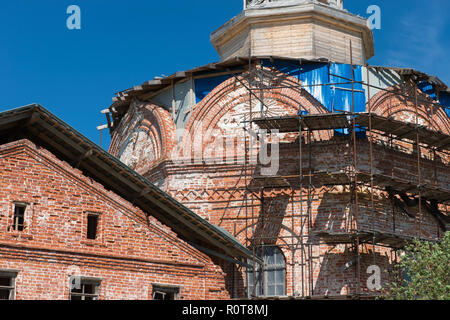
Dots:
pixel 14 227
pixel 12 274
pixel 262 274
pixel 175 289
pixel 85 281
pixel 88 231
pixel 99 231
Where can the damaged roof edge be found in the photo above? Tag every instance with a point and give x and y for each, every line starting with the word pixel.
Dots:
pixel 158 84
pixel 421 76
pixel 204 230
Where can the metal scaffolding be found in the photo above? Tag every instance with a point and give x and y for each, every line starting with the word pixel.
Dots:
pixel 258 81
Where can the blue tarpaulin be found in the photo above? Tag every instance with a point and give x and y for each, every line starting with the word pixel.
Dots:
pixel 444 100
pixel 427 88
pixel 204 86
pixel 444 97
pixel 314 75
pixel 336 94
pixel 341 95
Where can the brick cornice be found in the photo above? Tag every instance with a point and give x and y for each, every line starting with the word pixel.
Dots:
pixel 44 253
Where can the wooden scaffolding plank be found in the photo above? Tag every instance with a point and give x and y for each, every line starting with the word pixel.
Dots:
pixel 326 121
pixel 404 130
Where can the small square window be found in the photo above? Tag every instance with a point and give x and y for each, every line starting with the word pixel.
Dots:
pixel 19 217
pixel 7 285
pixel 165 293
pixel 92 226
pixel 84 288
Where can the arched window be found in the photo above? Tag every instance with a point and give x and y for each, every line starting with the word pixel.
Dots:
pixel 267 280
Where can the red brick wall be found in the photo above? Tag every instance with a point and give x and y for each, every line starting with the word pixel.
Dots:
pixel 130 254
pixel 217 192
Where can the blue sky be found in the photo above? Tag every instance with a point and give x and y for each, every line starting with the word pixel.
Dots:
pixel 74 73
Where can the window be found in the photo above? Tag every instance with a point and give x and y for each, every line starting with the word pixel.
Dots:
pixel 84 288
pixel 92 226
pixel 7 285
pixel 165 292
pixel 19 217
pixel 270 279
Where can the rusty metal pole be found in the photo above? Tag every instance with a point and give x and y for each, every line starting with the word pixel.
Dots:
pixel 300 164
pixel 294 250
pixel 292 242
pixel 358 273
pixel 419 176
pixel 261 92
pixel 300 141
pixel 249 154
pixel 253 213
pixel 246 146
pixel 310 251
pixel 263 282
pixel 371 163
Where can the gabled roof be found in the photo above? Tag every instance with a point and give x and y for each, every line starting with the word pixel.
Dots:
pixel 37 124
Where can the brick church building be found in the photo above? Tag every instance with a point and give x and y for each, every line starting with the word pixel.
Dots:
pixel 328 210
pixel 289 169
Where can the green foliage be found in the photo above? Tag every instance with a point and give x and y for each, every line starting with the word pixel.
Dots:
pixel 423 273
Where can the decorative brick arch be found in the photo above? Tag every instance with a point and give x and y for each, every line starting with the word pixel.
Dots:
pixel 156 122
pixel 282 242
pixel 391 104
pixel 231 93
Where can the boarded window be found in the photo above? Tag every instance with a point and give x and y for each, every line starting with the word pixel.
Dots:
pixel 92 226
pixel 165 293
pixel 19 217
pixel 84 289
pixel 7 285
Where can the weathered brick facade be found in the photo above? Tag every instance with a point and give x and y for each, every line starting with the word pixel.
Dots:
pixel 219 191
pixel 328 205
pixel 131 253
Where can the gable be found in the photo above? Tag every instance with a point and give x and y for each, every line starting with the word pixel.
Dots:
pixel 59 199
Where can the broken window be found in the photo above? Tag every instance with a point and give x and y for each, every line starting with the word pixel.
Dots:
pixel 165 293
pixel 84 288
pixel 267 280
pixel 19 217
pixel 92 226
pixel 7 285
